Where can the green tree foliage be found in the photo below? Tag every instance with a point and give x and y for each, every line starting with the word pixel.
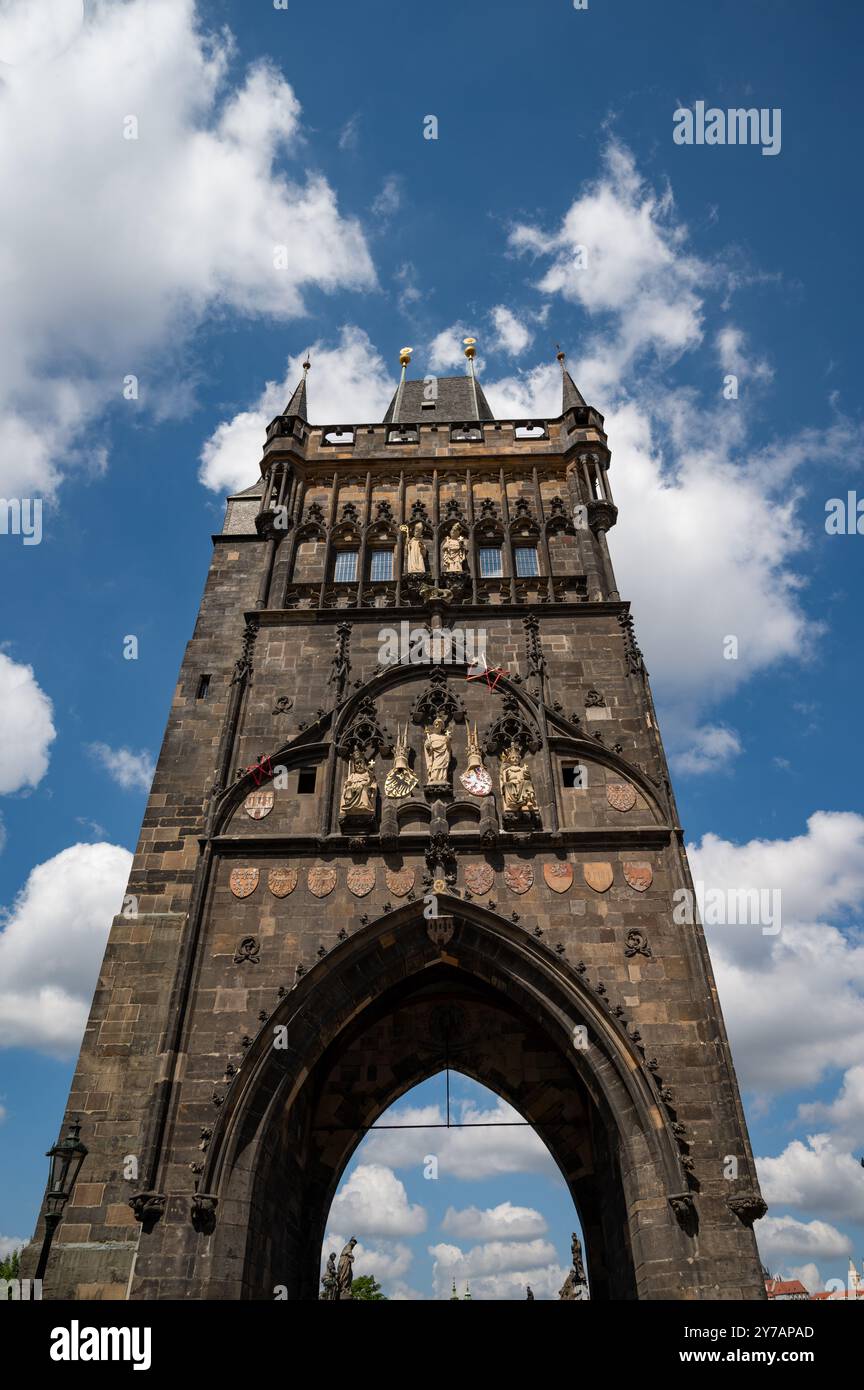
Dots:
pixel 367 1286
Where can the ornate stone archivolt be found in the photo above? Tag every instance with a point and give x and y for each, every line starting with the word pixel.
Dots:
pixel 438 701
pixel 364 734
pixel 512 727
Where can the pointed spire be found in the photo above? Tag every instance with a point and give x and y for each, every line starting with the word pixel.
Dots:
pixel 297 403
pixel 471 353
pixel 404 362
pixel 571 395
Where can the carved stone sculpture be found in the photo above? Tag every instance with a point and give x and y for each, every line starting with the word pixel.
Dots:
pixel 517 788
pixel 415 550
pixel 437 752
pixel 454 552
pixel 329 1279
pixel 359 790
pixel 575 1286
pixel 345 1272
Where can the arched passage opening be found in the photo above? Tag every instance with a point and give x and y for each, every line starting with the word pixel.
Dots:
pixel 389 1008
pixel 452 1194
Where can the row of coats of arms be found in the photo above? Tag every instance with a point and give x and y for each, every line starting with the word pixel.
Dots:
pixel 479 878
pixel 360 788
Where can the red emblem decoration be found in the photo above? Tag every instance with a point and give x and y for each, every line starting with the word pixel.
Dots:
pixel 621 796
pixel 519 877
pixel 243 882
pixel 479 878
pixel 490 674
pixel 598 876
pixel 477 781
pixel 399 881
pixel 639 876
pixel 361 880
pixel 259 804
pixel 281 882
pixel 558 876
pixel 261 771
pixel 321 881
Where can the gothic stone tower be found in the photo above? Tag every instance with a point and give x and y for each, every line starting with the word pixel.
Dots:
pixel 360 863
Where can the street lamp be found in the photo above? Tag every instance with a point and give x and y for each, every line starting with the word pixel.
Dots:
pixel 66 1158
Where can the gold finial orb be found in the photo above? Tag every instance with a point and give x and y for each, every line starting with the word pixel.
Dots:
pixel 405 356
pixel 470 347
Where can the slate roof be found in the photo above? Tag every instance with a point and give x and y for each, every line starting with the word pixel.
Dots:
pixel 297 403
pixel 572 394
pixel 454 403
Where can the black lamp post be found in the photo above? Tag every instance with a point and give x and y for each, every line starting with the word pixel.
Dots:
pixel 66 1159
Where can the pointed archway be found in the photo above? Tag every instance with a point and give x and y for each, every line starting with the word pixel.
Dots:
pixel 381 1013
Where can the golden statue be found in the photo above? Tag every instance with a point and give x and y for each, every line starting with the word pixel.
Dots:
pixel 454 551
pixel 517 788
pixel 437 751
pixel 359 789
pixel 400 780
pixel 414 561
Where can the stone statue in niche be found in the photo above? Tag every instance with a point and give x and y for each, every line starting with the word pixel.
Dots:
pixel 454 552
pixel 437 752
pixel 517 788
pixel 359 790
pixel 415 550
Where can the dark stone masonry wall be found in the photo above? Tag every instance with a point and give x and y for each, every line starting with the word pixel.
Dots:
pixel 214 1154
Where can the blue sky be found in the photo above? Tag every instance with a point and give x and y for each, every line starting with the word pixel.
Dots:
pixel 155 257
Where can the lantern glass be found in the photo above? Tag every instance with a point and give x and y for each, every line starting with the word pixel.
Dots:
pixel 66 1159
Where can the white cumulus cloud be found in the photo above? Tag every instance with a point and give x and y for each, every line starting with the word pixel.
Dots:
pixel 814 1175
pixel 373 1201
pixel 496 1145
pixel 349 383
pixel 502 1221
pixel 26 728
pixel 157 231
pixel 512 335
pixel 793 1000
pixel 131 771
pixel 497 1269
pixel 783 1237
pixel 52 943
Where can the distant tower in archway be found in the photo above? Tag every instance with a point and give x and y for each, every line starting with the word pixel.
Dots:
pixel 367 854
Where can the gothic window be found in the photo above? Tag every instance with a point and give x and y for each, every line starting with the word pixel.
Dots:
pixel 203 688
pixel 306 781
pixel 381 565
pixel 526 561
pixel 490 562
pixel 345 568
